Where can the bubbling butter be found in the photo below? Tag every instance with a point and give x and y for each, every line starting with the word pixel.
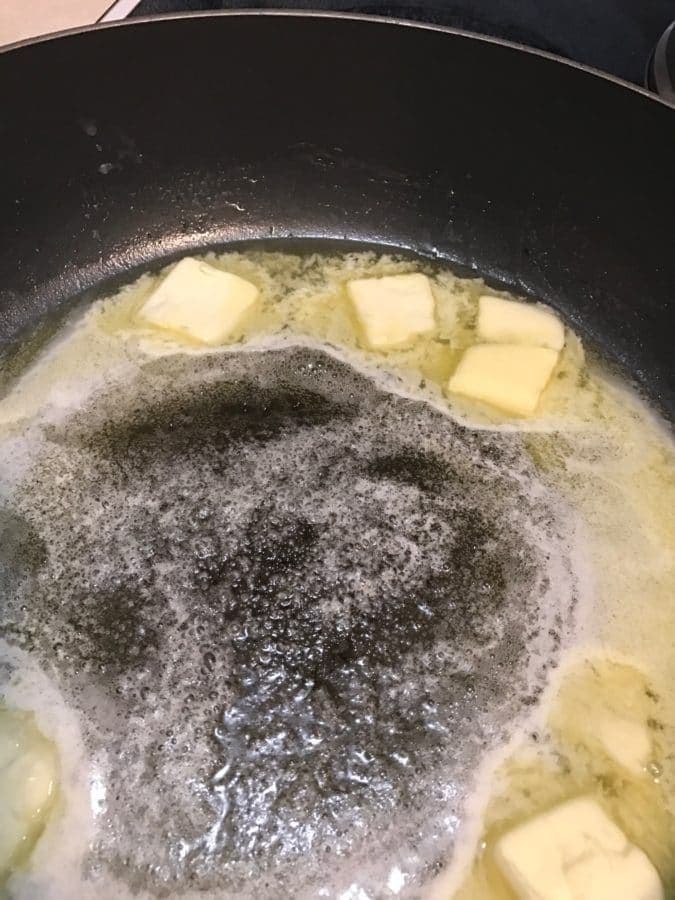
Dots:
pixel 306 607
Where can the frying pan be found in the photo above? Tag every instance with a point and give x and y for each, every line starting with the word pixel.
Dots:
pixel 125 146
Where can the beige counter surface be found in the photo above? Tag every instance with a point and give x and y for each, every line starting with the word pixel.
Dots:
pixel 20 19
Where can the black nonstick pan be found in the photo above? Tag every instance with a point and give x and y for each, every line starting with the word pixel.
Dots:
pixel 125 147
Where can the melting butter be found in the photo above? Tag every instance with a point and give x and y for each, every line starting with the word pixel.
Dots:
pixel 593 441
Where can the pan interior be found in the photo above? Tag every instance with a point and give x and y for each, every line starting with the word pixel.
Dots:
pixel 292 604
pixel 293 609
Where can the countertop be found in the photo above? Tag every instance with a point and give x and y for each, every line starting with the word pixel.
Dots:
pixel 20 19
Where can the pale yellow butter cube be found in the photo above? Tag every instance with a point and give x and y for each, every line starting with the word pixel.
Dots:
pixel 511 377
pixel 201 303
pixel 27 784
pixel 511 322
pixel 575 852
pixel 394 311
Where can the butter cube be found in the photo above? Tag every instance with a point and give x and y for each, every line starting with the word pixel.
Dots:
pixel 201 303
pixel 510 322
pixel 575 852
pixel 625 741
pixel 393 311
pixel 511 377
pixel 27 784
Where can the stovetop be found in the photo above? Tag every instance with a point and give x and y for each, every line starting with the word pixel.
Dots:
pixel 617 36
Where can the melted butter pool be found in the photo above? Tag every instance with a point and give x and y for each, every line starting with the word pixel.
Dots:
pixel 293 601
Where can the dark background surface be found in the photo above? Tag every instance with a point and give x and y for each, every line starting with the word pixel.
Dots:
pixel 616 36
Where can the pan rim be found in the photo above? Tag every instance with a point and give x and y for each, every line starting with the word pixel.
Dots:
pixel 384 21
